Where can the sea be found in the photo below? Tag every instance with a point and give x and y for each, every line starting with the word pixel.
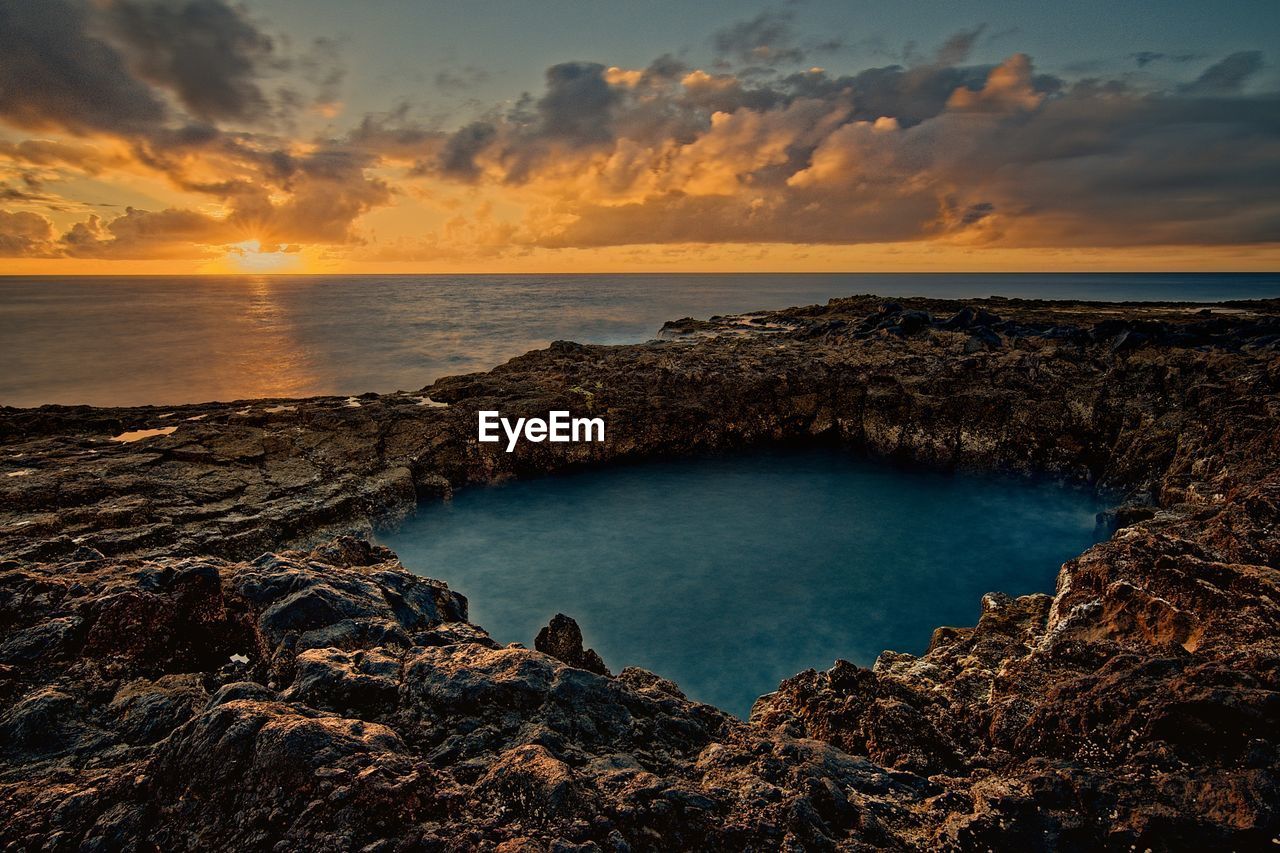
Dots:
pixel 152 340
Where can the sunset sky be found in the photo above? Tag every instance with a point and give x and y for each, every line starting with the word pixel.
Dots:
pixel 139 136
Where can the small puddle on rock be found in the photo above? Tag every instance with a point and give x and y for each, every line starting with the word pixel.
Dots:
pixel 139 434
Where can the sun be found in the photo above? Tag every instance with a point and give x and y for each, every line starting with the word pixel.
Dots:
pixel 249 256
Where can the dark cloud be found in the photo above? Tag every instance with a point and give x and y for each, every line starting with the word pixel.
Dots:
pixel 394 135
pixel 10 193
pixel 135 68
pixel 578 103
pixel 206 51
pixel 767 39
pixel 323 68
pixel 55 75
pixel 829 45
pixel 1143 58
pixel 666 67
pixel 977 212
pixel 911 95
pixel 458 159
pixel 1227 76
pixel 957 48
pixel 457 80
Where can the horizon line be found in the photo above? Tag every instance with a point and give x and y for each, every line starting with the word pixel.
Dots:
pixel 637 273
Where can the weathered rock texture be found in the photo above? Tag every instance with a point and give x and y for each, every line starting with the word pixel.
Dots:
pixel 191 659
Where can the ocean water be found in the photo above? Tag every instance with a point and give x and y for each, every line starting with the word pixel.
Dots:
pixel 732 573
pixel 167 340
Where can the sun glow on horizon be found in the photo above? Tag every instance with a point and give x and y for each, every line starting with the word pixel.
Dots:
pixel 249 256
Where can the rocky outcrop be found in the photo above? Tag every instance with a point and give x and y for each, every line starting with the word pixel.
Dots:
pixel 322 700
pixel 193 653
pixel 562 639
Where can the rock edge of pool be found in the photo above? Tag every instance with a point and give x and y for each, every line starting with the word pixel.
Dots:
pixel 201 648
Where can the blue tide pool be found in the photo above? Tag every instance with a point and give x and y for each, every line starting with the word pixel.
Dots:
pixel 730 574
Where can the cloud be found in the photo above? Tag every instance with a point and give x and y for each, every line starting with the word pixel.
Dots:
pixel 957 48
pixel 134 68
pixel 326 192
pixel 1143 58
pixel 10 193
pixel 269 194
pixel 933 148
pixel 1009 87
pixel 457 80
pixel 24 234
pixel 909 95
pixel 1228 76
pixel 458 159
pixel 81 156
pixel 141 234
pixel 766 39
pixel 999 155
pixel 578 103
pixel 206 52
pixel 394 136
pixel 55 75
pixel 322 66
pixel 181 89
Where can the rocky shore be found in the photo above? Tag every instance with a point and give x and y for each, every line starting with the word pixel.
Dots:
pixel 200 650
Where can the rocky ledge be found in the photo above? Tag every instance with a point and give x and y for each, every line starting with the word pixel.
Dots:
pixel 200 651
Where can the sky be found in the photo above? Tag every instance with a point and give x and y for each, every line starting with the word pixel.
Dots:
pixel 208 136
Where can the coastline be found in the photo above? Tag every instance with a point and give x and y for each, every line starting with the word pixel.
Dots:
pixel 125 569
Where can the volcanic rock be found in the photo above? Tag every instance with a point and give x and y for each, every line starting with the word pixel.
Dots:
pixel 562 639
pixel 200 648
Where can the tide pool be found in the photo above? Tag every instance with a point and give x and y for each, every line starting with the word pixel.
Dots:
pixel 732 573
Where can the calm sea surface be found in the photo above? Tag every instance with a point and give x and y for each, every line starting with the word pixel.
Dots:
pixel 730 574
pixel 165 340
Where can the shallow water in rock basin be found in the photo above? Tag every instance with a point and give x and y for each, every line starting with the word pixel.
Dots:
pixel 730 574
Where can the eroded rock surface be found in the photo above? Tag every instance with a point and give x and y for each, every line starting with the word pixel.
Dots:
pixel 192 656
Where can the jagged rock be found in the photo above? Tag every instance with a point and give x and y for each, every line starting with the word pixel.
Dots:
pixel 531 782
pixel 331 679
pixel 145 711
pixel 562 639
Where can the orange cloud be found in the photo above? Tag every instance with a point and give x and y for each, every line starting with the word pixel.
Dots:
pixel 1009 87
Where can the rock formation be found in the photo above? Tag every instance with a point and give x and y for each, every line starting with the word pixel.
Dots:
pixel 562 639
pixel 200 650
